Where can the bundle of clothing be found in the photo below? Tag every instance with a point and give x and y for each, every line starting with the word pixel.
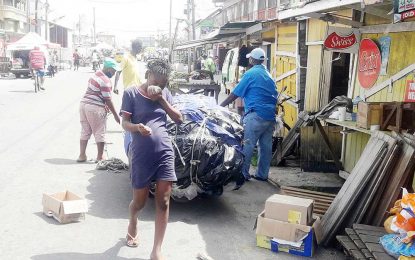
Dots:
pixel 207 146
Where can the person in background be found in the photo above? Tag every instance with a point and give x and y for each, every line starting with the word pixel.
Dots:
pixel 209 65
pixel 94 108
pixel 217 65
pixel 258 91
pixel 37 61
pixel 144 114
pixel 129 67
pixel 76 59
pixel 95 60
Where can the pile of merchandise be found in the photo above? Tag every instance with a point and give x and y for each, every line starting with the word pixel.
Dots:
pixel 207 146
pixel 400 243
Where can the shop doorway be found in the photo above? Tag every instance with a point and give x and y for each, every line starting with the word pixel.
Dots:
pixel 339 83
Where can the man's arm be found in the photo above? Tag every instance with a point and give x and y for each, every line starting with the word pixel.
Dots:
pixel 232 97
pixel 110 105
pixel 117 77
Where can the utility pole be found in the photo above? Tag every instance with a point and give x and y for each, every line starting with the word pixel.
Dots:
pixel 193 20
pixel 46 20
pixel 94 32
pixel 36 16
pixel 188 20
pixel 29 21
pixel 170 39
pixel 79 30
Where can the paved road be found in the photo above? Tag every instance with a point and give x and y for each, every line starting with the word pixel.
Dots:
pixel 38 147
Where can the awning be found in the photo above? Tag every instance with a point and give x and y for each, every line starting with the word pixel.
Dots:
pixel 229 30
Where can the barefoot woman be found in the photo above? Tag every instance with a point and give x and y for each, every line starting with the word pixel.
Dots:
pixel 144 111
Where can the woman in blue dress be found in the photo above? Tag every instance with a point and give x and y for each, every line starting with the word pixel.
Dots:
pixel 144 112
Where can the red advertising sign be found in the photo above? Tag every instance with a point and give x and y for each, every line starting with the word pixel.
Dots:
pixel 335 41
pixel 407 15
pixel 369 63
pixel 410 91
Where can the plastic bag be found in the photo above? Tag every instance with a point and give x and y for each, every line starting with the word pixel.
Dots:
pixel 394 246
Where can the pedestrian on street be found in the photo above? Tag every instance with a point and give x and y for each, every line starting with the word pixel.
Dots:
pixel 217 65
pixel 129 67
pixel 94 108
pixel 76 58
pixel 144 114
pixel 258 91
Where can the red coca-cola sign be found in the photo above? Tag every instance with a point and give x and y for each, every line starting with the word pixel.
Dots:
pixel 369 63
pixel 338 42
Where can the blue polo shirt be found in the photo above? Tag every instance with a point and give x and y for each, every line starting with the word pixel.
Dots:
pixel 258 90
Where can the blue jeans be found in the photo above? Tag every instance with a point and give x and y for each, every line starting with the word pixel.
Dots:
pixel 257 130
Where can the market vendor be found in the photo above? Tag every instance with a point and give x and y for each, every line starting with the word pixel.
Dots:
pixel 258 91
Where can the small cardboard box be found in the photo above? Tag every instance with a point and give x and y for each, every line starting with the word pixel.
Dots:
pixel 65 206
pixel 270 234
pixel 289 209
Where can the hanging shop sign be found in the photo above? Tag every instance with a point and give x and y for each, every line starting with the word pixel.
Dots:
pixel 369 63
pixel 410 91
pixel 403 10
pixel 385 45
pixel 342 40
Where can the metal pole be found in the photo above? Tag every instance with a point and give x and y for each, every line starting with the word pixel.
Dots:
pixel 29 22
pixel 46 19
pixel 188 20
pixel 171 13
pixel 193 20
pixel 95 37
pixel 79 30
pixel 36 16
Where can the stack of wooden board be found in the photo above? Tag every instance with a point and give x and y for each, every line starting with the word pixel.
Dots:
pixel 322 200
pixel 362 242
pixel 386 164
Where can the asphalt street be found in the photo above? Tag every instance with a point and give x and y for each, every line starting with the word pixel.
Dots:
pixel 39 143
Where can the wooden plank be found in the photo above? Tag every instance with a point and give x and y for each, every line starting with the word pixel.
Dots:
pixel 369 239
pixel 370 233
pixel 366 166
pixel 375 247
pixel 327 142
pixel 382 256
pixel 368 227
pixel 400 173
pixel 324 194
pixel 316 197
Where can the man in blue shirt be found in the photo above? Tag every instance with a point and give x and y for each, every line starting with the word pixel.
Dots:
pixel 258 91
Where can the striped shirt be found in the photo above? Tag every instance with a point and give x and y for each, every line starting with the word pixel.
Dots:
pixel 99 90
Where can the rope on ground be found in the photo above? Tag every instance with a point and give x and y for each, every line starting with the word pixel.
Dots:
pixel 113 164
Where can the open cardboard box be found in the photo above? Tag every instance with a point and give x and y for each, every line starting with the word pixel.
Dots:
pixel 268 229
pixel 289 209
pixel 65 206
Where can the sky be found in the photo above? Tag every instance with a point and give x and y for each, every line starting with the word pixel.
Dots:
pixel 126 19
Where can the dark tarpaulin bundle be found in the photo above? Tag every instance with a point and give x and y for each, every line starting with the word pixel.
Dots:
pixel 208 152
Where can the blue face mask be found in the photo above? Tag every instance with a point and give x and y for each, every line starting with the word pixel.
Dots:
pixel 108 74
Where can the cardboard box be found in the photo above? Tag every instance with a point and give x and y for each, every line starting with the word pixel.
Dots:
pixel 368 114
pixel 270 232
pixel 65 206
pixel 289 209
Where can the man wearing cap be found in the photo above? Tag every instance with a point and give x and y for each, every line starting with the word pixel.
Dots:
pixel 94 107
pixel 258 91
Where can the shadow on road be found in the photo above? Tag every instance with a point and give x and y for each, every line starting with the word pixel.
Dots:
pixel 111 253
pixel 22 91
pixel 47 219
pixel 64 161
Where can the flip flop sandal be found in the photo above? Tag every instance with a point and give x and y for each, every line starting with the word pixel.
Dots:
pixel 81 160
pixel 133 242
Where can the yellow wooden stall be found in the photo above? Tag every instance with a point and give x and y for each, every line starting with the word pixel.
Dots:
pixel 283 63
pixel 401 55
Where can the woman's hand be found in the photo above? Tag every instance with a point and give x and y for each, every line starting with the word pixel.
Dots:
pixel 144 130
pixel 154 93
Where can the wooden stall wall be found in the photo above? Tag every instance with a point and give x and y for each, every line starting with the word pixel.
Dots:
pixel 315 155
pixel 401 55
pixel 285 61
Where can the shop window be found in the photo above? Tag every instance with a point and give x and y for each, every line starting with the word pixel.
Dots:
pixel 262 4
pixel 8 2
pixel 272 3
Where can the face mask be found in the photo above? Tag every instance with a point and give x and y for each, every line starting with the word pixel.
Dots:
pixel 108 74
